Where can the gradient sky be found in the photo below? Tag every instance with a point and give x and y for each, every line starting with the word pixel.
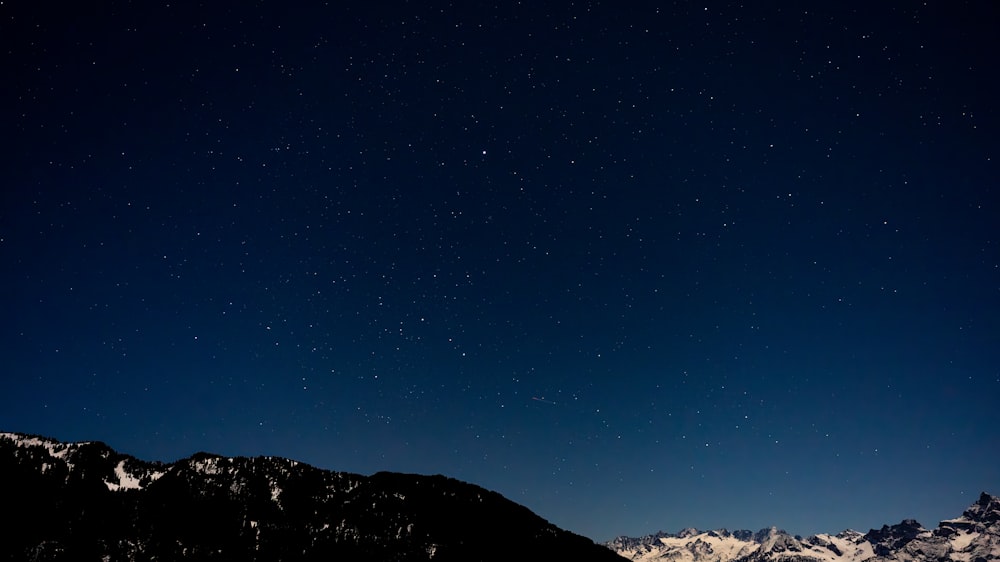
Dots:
pixel 637 267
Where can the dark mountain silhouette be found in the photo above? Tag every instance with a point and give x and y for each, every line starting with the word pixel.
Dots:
pixel 84 501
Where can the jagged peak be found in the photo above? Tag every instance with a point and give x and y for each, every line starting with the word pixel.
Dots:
pixel 768 533
pixel 904 527
pixel 985 510
pixel 850 534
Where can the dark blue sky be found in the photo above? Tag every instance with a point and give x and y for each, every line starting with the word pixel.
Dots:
pixel 637 267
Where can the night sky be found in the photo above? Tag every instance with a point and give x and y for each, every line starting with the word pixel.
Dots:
pixel 636 266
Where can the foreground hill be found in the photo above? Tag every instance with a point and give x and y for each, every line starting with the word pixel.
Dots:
pixel 84 501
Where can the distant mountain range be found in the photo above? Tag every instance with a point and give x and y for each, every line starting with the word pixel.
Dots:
pixel 84 501
pixel 973 537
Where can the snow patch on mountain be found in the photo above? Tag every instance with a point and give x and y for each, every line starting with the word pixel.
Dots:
pixel 848 545
pixel 56 450
pixel 122 472
pixel 125 481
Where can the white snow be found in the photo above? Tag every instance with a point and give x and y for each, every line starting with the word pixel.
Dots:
pixel 60 451
pixel 207 466
pixel 962 541
pixel 275 493
pixel 126 481
pixel 63 452
pixel 853 548
pixel 57 450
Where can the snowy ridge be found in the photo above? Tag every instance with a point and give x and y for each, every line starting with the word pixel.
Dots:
pixel 848 545
pixel 973 537
pixel 56 450
pixel 711 546
pixel 122 472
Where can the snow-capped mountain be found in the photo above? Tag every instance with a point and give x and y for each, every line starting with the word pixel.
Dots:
pixel 84 501
pixel 729 546
pixel 973 537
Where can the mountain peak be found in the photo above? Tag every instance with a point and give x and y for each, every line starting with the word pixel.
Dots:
pixel 892 538
pixel 986 510
pixel 688 532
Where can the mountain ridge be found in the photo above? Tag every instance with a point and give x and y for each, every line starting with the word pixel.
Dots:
pixel 972 537
pixel 81 501
pixel 85 500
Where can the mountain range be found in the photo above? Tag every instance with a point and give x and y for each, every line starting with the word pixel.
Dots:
pixel 972 537
pixel 85 501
